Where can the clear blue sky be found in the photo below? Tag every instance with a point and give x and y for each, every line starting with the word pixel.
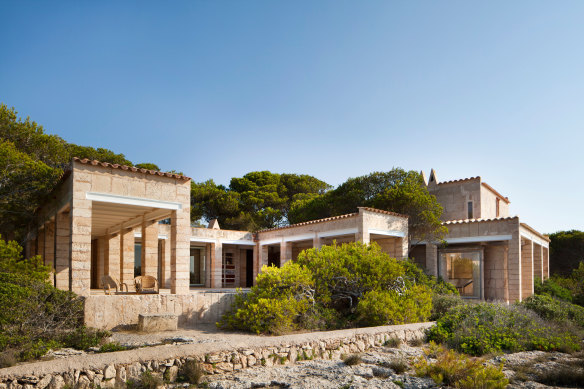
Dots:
pixel 334 89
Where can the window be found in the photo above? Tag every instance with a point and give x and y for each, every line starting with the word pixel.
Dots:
pixel 497 208
pixel 197 266
pixel 469 210
pixel 137 259
pixel 463 270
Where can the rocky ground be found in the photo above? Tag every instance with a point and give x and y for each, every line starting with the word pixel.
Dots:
pixel 524 370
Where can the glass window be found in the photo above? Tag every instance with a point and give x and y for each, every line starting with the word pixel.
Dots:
pixel 137 259
pixel 463 270
pixel 197 266
pixel 469 210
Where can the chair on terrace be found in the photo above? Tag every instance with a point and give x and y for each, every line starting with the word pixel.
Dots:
pixel 146 284
pixel 110 282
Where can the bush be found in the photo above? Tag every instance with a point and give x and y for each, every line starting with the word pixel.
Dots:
pixel 388 307
pixel 112 347
pixel 34 315
pixel 443 303
pixel 555 310
pixel 457 370
pixel 275 303
pixel 393 342
pixel 352 360
pixel 191 372
pixel 551 287
pixel 483 328
pixel 146 381
pixel 333 287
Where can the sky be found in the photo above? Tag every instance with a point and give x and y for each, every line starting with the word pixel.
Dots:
pixel 334 89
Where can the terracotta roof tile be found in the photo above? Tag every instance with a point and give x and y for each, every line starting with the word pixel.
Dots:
pixel 130 168
pixel 459 180
pixel 327 219
pixel 463 221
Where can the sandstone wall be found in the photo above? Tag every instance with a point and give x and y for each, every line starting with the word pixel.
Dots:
pixel 108 312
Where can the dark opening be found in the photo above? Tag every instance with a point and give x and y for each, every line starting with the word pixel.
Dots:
pixel 274 256
pixel 249 268
pixel 94 273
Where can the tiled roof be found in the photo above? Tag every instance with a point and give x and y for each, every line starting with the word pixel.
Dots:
pixel 464 221
pixel 459 180
pixel 130 168
pixel 383 212
pixel 327 219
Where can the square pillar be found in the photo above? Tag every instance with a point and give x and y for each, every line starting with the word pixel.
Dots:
pixel 41 243
pixel 316 241
pixel 514 267
pixel 432 259
pixel 180 235
pixel 101 248
pixel 526 269
pixel 80 245
pixel 62 250
pixel 164 248
pixel 149 261
pixel 216 268
pixel 285 252
pixel 112 256
pixel 537 261
pixel 127 257
pixel 256 261
pixel 546 262
pixel 49 255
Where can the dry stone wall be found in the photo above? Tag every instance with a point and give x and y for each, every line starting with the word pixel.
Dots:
pixel 115 369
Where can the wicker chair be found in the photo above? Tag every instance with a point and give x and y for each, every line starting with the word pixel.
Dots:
pixel 146 284
pixel 110 282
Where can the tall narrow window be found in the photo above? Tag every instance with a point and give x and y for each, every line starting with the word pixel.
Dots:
pixel 498 206
pixel 197 266
pixel 469 210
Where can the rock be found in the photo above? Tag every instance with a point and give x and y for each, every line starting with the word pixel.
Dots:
pixel 224 366
pixel 171 373
pixel 134 370
pixel 121 375
pixel 57 382
pixel 83 382
pixel 44 382
pixel 109 372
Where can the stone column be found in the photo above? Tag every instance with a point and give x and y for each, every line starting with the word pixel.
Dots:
pixel 49 257
pixel 112 256
pixel 316 241
pixel 514 267
pixel 216 264
pixel 180 241
pixel 402 247
pixel 41 243
pixel 101 248
pixel 81 244
pixel 526 269
pixel 546 263
pixel 62 250
pixel 149 249
pixel 432 259
pixel 285 252
pixel 256 261
pixel 127 257
pixel 165 248
pixel 537 261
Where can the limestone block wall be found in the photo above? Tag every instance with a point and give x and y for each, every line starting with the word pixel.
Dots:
pixel 454 197
pixel 489 205
pixel 111 370
pixel 108 312
pixel 495 276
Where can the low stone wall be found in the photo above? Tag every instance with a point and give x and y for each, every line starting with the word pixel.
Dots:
pixel 114 369
pixel 107 312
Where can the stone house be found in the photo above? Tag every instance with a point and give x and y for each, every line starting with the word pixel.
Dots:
pixel 488 253
pixel 104 219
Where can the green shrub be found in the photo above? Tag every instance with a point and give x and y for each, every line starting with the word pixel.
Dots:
pixel 555 310
pixel 191 371
pixel 389 307
pixel 393 342
pixel 8 357
pixel 275 303
pixel 398 365
pixel 82 338
pixel 551 287
pixel 333 287
pixel 442 303
pixel 457 370
pixel 483 328
pixel 112 347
